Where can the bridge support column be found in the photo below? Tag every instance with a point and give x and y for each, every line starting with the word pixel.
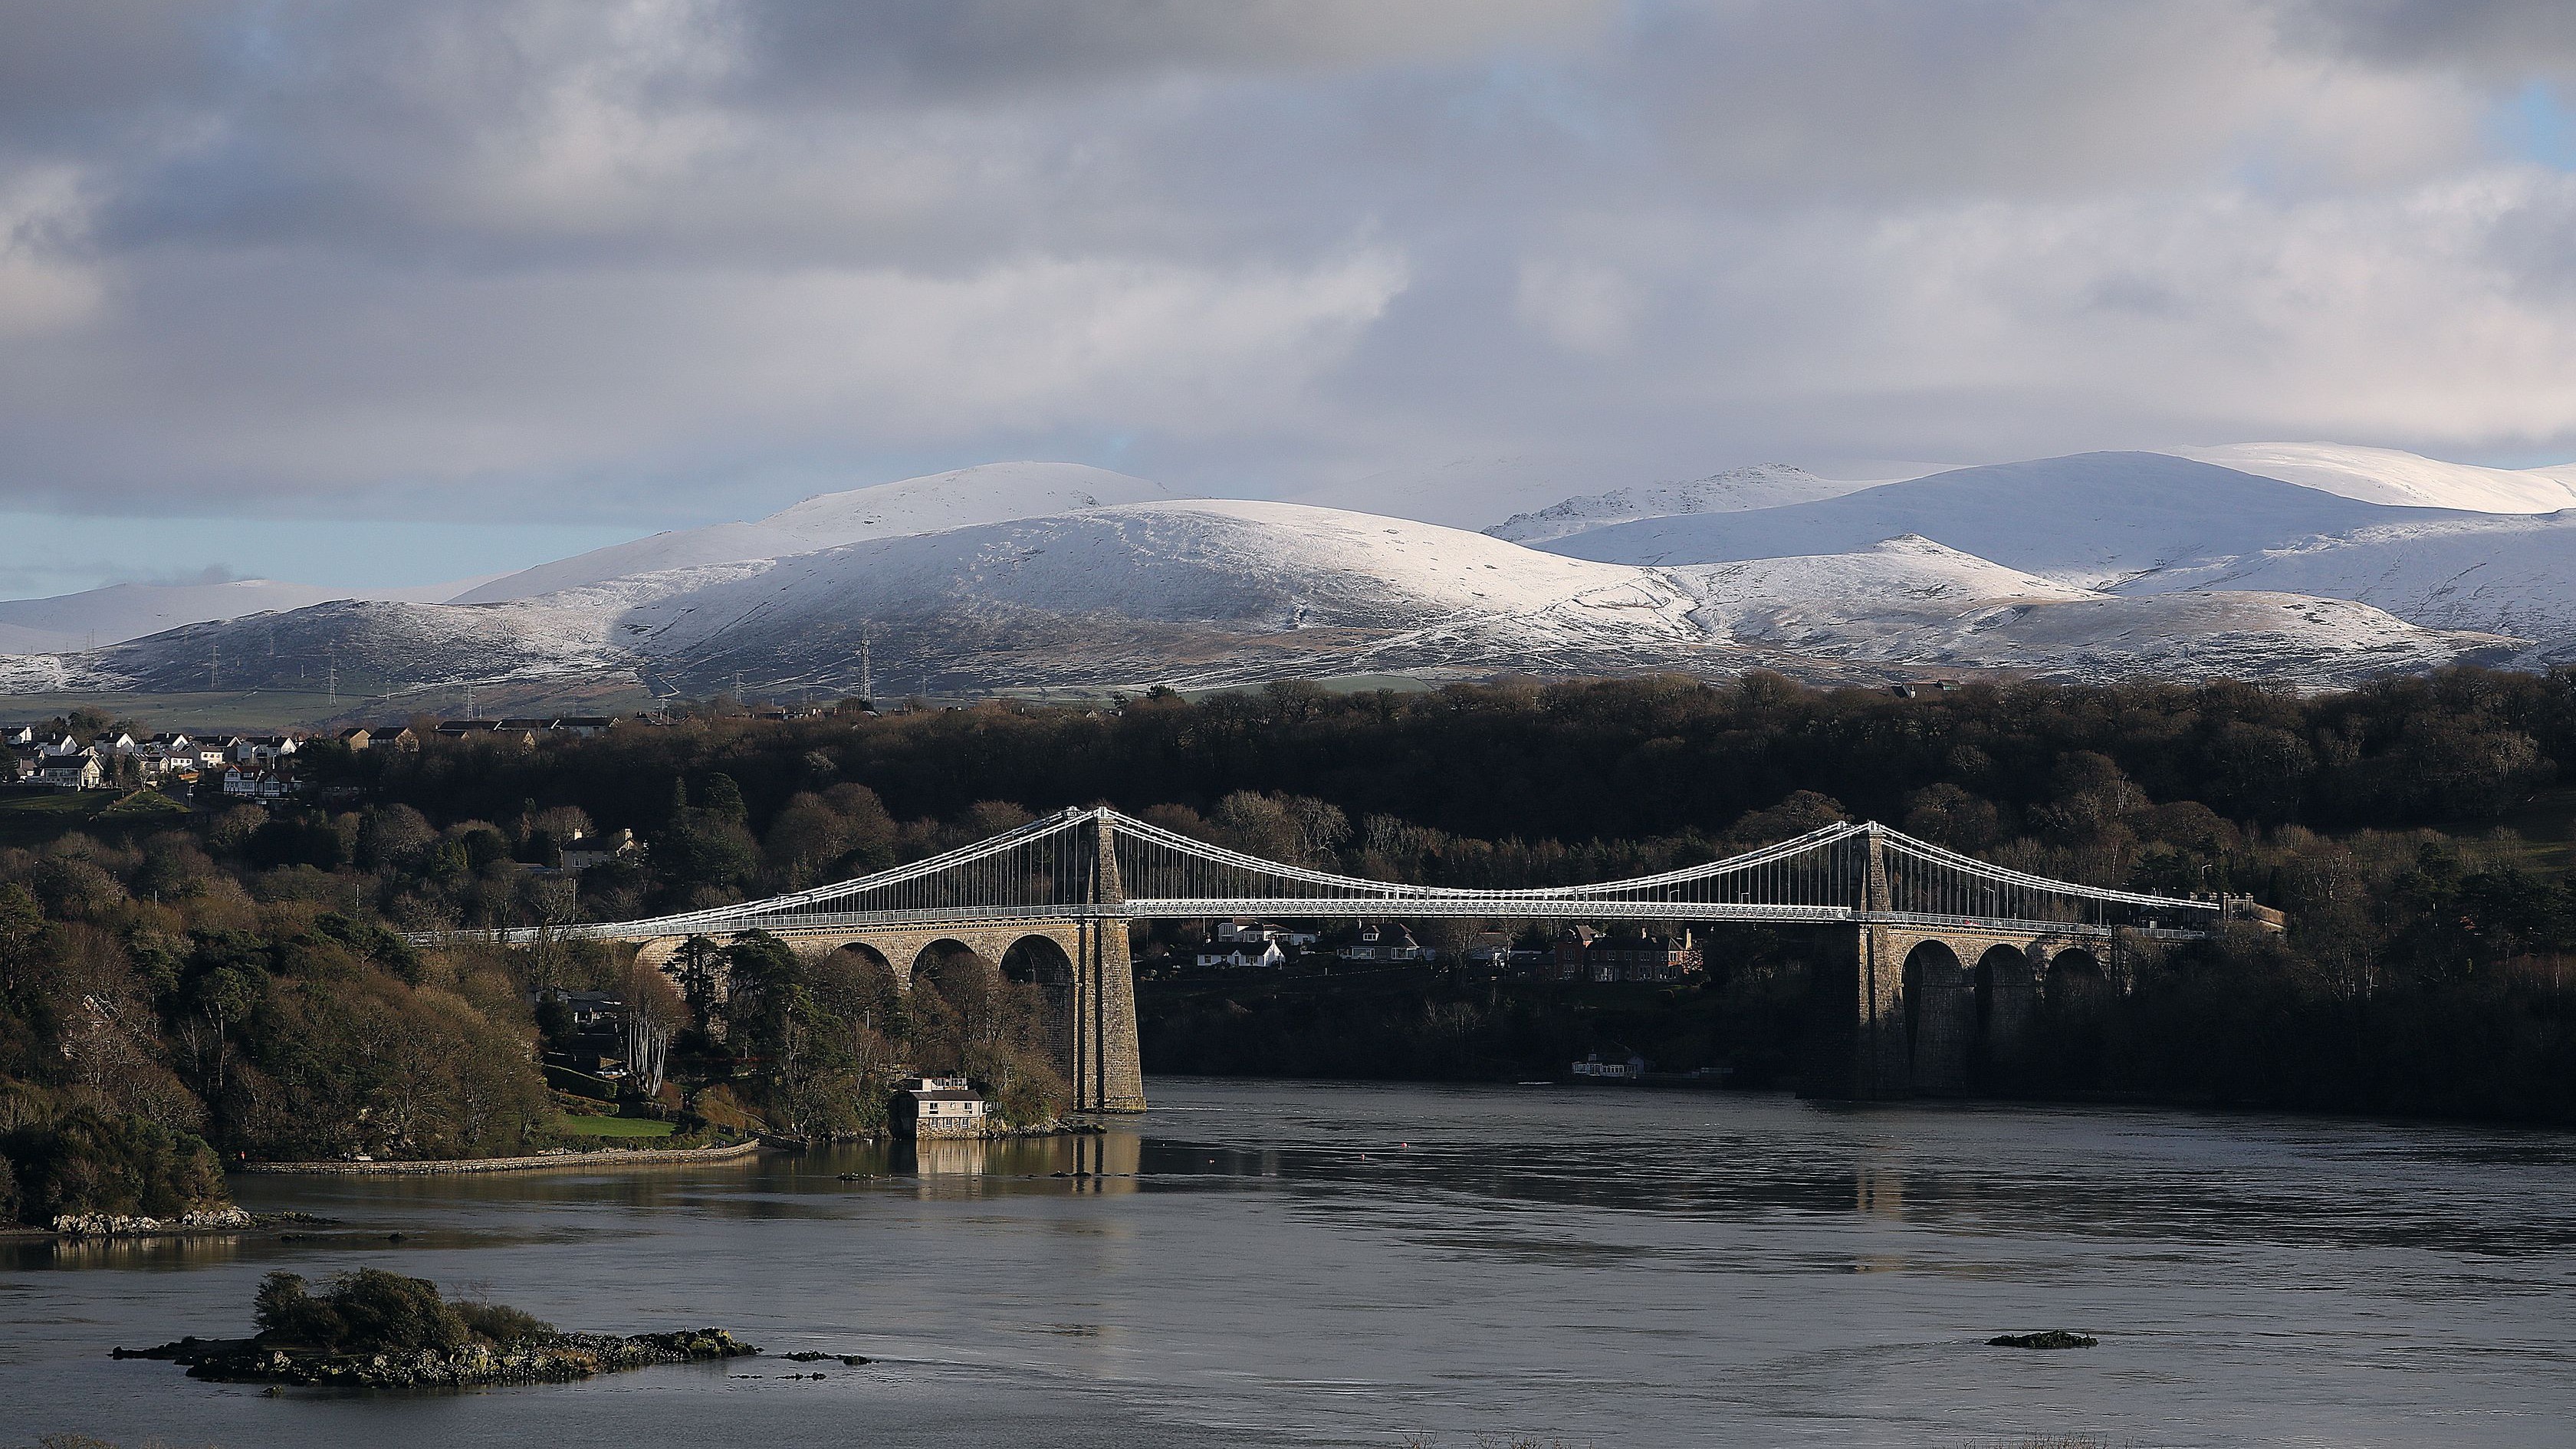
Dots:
pixel 1856 1033
pixel 1111 1069
pixel 1109 1065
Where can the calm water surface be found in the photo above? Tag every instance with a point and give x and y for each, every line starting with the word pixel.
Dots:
pixel 1305 1264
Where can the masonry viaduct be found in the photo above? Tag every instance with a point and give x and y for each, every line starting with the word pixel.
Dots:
pixel 1937 965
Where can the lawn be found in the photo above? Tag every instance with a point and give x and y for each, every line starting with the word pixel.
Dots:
pixel 571 1125
pixel 28 818
pixel 2544 827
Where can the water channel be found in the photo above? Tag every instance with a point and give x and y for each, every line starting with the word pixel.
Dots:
pixel 1295 1263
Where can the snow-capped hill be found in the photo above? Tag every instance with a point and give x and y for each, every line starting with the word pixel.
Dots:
pixel 1908 575
pixel 1058 590
pixel 1760 485
pixel 963 497
pixel 990 493
pixel 1211 593
pixel 1910 602
pixel 2510 575
pixel 716 543
pixel 1196 592
pixel 2094 519
pixel 2386 475
pixel 94 618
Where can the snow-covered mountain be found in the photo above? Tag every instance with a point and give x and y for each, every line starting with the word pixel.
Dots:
pixel 2386 475
pixel 112 615
pixel 1188 592
pixel 2097 566
pixel 1910 601
pixel 2510 575
pixel 1761 485
pixel 2145 523
pixel 989 493
pixel 1209 593
pixel 2099 520
pixel 1468 492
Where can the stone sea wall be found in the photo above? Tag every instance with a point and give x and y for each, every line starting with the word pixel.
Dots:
pixel 548 1358
pixel 119 1225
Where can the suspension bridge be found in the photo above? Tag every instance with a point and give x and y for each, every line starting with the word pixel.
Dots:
pixel 1938 958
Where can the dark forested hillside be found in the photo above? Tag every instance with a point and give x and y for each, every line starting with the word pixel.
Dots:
pixel 1610 759
pixel 176 973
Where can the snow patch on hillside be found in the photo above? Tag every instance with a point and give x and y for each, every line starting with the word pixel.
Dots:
pixel 95 618
pixel 991 493
pixel 2386 475
pixel 2509 575
pixel 1911 602
pixel 2099 520
pixel 1761 485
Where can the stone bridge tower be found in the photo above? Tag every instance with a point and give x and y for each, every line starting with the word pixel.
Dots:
pixel 1904 1008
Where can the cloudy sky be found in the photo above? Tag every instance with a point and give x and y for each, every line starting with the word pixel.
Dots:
pixel 409 291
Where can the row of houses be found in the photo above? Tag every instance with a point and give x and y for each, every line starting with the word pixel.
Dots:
pixel 527 729
pixel 116 757
pixel 251 766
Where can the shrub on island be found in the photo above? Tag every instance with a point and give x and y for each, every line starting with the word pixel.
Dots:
pixel 378 1330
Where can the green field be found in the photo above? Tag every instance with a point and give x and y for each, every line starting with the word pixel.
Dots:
pixel 2544 830
pixel 571 1125
pixel 28 819
pixel 263 710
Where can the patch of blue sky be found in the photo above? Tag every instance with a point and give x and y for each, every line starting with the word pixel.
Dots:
pixel 42 554
pixel 2538 125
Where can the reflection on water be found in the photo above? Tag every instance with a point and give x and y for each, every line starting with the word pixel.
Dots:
pixel 1362 1264
pixel 1102 1162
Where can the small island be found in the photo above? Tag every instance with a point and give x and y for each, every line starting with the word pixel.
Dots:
pixel 371 1329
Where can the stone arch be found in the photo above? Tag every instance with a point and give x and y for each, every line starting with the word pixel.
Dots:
pixel 2076 980
pixel 868 952
pixel 863 981
pixel 937 953
pixel 1940 1018
pixel 2006 989
pixel 1040 960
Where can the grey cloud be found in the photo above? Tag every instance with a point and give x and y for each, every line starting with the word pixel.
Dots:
pixel 813 50
pixel 673 260
pixel 2509 37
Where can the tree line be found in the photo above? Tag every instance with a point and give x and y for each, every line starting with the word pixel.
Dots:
pixel 234 978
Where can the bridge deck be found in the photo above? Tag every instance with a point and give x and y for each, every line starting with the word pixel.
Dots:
pixel 1096 865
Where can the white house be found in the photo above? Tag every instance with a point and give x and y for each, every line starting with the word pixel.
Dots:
pixel 1255 932
pixel 940 1107
pixel 584 851
pixel 78 770
pixel 1243 957
pixel 262 749
pixel 257 784
pixel 1382 943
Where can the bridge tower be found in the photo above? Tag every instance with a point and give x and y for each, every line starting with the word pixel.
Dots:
pixel 1858 1030
pixel 1108 1066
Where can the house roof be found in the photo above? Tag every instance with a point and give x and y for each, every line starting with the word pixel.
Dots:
pixel 944 1094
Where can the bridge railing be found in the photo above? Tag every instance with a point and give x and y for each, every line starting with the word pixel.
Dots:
pixel 1055 868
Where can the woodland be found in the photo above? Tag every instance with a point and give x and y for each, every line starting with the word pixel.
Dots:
pixel 200 982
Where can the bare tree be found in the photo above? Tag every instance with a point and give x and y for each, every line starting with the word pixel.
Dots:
pixel 654 1013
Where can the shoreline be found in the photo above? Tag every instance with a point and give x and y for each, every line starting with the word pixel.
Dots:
pixel 604 1157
